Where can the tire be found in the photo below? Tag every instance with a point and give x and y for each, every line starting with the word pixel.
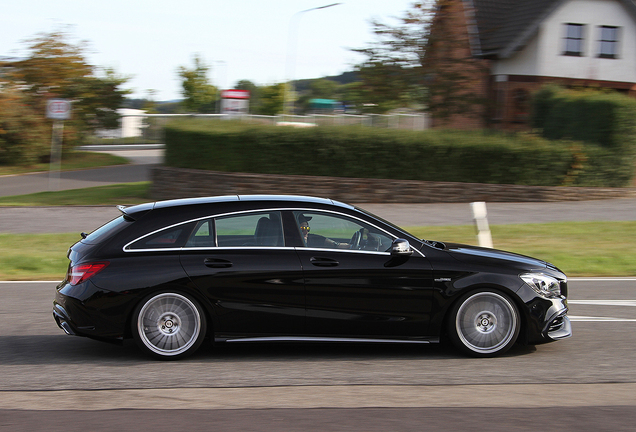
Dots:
pixel 168 325
pixel 484 324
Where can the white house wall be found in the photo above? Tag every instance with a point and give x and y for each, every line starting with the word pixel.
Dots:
pixel 543 55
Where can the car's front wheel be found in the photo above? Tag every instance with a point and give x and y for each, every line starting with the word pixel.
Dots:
pixel 484 323
pixel 168 325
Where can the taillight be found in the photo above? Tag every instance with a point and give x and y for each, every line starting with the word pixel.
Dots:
pixel 83 272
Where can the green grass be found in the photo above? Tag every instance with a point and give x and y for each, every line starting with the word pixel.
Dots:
pixel 125 193
pixel 578 248
pixel 70 161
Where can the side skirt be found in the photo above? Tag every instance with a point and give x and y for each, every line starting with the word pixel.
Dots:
pixel 324 339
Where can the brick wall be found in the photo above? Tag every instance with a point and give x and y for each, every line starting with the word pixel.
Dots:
pixel 172 183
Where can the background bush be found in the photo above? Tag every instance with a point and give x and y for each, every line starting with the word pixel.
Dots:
pixel 599 117
pixel 24 137
pixel 434 155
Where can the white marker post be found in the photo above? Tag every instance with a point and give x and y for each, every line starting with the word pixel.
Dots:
pixel 58 110
pixel 480 215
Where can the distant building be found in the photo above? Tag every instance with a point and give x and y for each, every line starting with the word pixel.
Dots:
pixel 519 45
pixel 131 124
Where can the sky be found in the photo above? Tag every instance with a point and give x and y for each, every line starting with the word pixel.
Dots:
pixel 266 42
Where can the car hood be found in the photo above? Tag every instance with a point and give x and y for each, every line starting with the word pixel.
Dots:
pixel 474 254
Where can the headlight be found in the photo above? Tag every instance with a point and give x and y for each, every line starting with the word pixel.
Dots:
pixel 544 285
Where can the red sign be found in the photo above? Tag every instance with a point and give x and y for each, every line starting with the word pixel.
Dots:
pixel 235 94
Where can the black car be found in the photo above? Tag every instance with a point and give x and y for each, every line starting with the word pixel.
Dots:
pixel 281 268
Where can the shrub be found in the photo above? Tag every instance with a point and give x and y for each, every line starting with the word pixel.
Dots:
pixel 434 155
pixel 24 136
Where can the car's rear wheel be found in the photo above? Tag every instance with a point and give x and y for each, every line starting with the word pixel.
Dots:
pixel 169 325
pixel 484 324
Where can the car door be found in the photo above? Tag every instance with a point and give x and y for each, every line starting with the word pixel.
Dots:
pixel 354 286
pixel 253 281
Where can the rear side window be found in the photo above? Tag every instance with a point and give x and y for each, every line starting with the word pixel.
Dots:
pixel 250 229
pixel 107 230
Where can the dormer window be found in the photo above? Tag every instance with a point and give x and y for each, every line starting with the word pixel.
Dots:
pixel 608 42
pixel 574 34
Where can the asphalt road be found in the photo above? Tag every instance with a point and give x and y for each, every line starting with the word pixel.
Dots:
pixel 587 382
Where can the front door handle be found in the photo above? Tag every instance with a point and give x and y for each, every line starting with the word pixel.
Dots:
pixel 217 263
pixel 323 262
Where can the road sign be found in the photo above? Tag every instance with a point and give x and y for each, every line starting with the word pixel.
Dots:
pixel 58 109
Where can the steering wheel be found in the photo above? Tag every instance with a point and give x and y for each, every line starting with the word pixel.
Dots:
pixel 354 243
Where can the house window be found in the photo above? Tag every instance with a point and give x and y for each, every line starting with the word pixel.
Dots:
pixel 573 39
pixel 608 43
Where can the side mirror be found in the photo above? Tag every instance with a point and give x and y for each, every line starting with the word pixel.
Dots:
pixel 401 247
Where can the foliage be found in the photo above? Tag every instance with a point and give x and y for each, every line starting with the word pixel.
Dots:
pixel 433 155
pixel 603 117
pixel 23 135
pixel 422 63
pixel 55 67
pixel 271 100
pixel 199 95
pixel 255 93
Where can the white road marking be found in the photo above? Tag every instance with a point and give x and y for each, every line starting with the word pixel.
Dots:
pixel 575 318
pixel 604 302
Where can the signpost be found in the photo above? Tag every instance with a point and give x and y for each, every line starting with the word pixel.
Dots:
pixel 58 110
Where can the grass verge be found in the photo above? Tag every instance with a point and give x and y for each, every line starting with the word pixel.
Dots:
pixel 578 248
pixel 70 161
pixel 124 193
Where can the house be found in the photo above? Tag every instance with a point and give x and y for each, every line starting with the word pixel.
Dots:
pixel 516 46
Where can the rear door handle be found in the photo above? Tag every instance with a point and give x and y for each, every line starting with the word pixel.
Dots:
pixel 323 262
pixel 217 263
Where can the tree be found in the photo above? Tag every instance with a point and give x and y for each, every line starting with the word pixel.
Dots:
pixel 56 67
pixel 24 137
pixel 272 99
pixel 392 75
pixel 255 93
pixel 421 61
pixel 199 95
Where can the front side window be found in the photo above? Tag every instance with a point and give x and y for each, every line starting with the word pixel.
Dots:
pixel 250 229
pixel 332 231
pixel 608 42
pixel 574 37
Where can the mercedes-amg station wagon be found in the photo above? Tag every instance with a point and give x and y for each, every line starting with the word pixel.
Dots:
pixel 246 269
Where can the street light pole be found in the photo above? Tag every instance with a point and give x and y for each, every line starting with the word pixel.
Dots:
pixel 291 55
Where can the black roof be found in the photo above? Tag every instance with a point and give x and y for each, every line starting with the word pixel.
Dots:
pixel 135 211
pixel 505 26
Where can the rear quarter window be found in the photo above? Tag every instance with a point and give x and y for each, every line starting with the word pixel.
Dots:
pixel 107 230
pixel 168 238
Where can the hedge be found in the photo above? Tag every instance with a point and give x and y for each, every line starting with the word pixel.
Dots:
pixel 599 117
pixel 454 156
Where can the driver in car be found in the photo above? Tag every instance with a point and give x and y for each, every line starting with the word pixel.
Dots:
pixel 318 241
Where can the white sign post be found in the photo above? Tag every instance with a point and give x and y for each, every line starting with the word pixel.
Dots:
pixel 58 110
pixel 480 215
